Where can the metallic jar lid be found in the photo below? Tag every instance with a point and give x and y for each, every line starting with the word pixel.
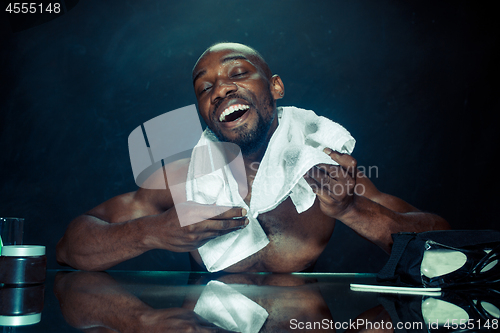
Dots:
pixel 20 320
pixel 23 250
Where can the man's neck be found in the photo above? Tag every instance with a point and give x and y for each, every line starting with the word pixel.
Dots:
pixel 253 159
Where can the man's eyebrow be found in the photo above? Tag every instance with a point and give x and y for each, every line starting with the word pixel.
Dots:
pixel 231 58
pixel 198 75
pixel 223 61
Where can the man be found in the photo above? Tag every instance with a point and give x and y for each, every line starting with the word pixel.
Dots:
pixel 230 74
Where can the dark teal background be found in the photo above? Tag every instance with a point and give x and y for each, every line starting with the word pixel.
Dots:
pixel 415 82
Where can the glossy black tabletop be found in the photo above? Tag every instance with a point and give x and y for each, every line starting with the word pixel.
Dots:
pixel 124 301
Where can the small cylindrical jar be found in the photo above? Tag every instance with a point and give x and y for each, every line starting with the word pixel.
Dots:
pixel 23 264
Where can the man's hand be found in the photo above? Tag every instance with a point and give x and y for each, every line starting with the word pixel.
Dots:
pixel 349 196
pixel 215 221
pixel 176 320
pixel 334 185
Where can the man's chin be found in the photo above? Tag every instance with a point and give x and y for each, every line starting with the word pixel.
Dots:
pixel 248 141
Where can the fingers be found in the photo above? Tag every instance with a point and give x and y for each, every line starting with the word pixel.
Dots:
pixel 325 171
pixel 325 188
pixel 221 330
pixel 215 228
pixel 346 169
pixel 326 178
pixel 333 182
pixel 346 161
pixel 225 219
pixel 224 212
pixel 215 329
pixel 207 326
pixel 328 186
pixel 200 324
pixel 215 220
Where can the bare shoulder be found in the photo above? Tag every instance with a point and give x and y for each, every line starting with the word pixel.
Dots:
pixel 157 192
pixel 153 197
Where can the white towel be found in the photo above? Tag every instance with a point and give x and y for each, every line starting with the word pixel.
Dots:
pixel 295 147
pixel 211 181
pixel 227 308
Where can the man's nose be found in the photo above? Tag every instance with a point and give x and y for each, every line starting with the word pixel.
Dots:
pixel 222 89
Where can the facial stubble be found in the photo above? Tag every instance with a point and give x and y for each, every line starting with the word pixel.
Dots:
pixel 251 140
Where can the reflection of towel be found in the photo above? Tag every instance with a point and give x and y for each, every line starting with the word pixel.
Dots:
pixel 295 147
pixel 225 307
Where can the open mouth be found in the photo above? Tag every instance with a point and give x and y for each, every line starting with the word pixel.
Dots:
pixel 232 113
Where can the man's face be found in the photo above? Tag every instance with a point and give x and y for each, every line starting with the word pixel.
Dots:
pixel 235 98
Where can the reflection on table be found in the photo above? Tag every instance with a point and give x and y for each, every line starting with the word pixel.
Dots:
pixel 240 302
pixel 201 302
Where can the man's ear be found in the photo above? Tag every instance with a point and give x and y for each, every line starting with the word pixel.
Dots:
pixel 277 87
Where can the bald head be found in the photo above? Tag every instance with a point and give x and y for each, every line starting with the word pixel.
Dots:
pixel 246 51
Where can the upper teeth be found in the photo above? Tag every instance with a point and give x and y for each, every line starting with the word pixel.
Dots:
pixel 231 109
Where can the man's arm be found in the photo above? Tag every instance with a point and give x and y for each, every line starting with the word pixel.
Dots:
pixel 95 302
pixel 377 217
pixel 133 223
pixel 110 233
pixel 350 197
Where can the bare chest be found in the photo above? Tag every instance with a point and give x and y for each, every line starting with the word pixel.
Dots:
pixel 295 240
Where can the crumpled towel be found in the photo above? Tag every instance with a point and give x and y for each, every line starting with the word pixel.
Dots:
pixel 295 147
